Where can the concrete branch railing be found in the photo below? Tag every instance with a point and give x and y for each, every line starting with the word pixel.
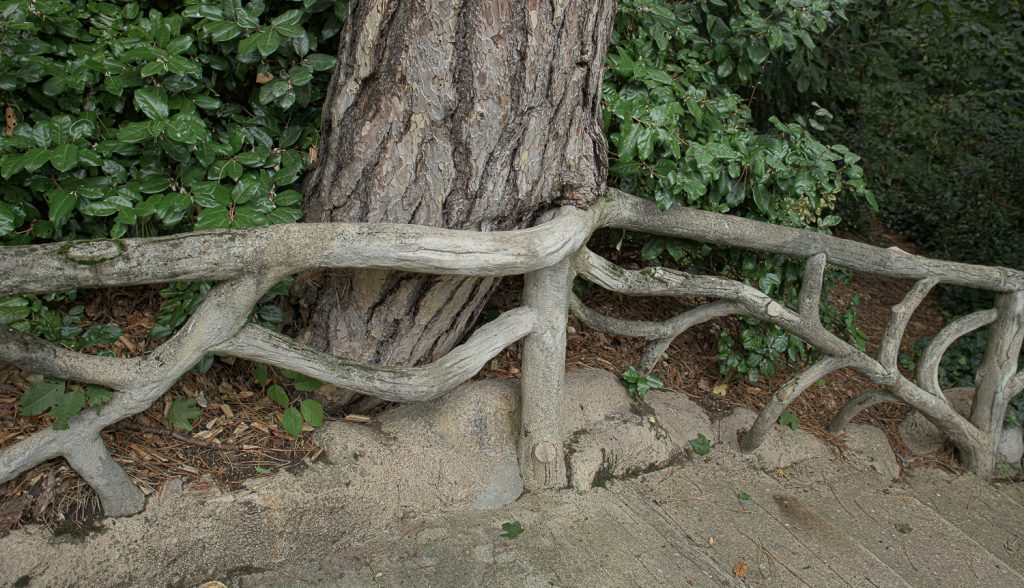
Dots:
pixel 246 263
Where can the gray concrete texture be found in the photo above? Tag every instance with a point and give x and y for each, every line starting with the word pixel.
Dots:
pixel 420 499
pixel 922 437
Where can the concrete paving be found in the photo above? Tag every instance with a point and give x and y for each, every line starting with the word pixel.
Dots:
pixel 795 513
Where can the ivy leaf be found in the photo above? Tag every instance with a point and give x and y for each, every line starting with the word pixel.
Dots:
pixel 69 405
pixel 788 419
pixel 302 382
pixel 182 413
pixel 40 397
pixel 97 396
pixel 313 413
pixel 291 421
pixel 701 445
pixel 278 395
pixel 512 530
pixel 100 334
pixel 13 308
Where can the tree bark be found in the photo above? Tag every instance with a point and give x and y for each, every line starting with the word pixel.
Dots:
pixel 472 114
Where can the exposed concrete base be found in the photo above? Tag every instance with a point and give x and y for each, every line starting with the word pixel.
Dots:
pixel 400 505
pixel 922 437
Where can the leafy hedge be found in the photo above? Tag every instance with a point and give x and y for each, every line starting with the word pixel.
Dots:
pixel 144 118
pixel 680 86
pixel 932 94
pixel 153 117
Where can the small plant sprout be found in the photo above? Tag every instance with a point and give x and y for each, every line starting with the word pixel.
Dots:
pixel 511 530
pixel 640 384
pixel 701 445
pixel 788 419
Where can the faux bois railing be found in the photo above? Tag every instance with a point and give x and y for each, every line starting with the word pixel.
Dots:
pixel 246 263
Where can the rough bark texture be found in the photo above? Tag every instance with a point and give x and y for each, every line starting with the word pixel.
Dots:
pixel 473 114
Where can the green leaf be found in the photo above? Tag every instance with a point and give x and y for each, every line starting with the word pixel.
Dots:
pixel 13 308
pixel 788 419
pixel 511 530
pixel 701 445
pixel 302 382
pixel 248 44
pixel 100 334
pixel 68 406
pixel 268 42
pixel 260 373
pixel 272 90
pixel 319 62
pixel 183 413
pixel 40 397
pixel 278 395
pixel 743 496
pixel 62 203
pixel 291 421
pixel 8 222
pixel 64 157
pixel 291 17
pixel 757 51
pixel 135 132
pixel 34 159
pixel 152 102
pixel 153 68
pixel 313 413
pixel 222 31
pixel 186 128
pixel 97 396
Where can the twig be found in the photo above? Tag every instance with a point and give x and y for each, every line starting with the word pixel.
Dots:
pixel 176 435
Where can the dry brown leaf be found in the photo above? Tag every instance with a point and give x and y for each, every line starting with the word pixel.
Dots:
pixel 12 121
pixel 741 569
pixel 263 77
pixel 313 153
pixel 127 344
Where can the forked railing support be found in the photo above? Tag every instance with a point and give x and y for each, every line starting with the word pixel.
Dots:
pixel 246 263
pixel 541 434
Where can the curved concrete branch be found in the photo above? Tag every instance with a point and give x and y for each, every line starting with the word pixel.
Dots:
pixel 396 384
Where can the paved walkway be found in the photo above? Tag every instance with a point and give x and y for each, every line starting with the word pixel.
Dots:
pixel 818 523
pixel 795 513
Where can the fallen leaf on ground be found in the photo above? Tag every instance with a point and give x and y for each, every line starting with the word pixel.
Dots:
pixel 720 389
pixel 741 569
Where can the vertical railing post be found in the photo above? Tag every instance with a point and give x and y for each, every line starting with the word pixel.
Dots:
pixel 541 434
pixel 998 365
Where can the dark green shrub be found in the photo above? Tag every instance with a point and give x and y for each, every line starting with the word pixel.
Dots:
pixel 680 82
pixel 145 118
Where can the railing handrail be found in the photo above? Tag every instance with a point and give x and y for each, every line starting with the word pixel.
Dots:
pixel 223 254
pixel 248 262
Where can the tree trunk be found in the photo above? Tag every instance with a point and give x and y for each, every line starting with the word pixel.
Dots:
pixel 479 115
